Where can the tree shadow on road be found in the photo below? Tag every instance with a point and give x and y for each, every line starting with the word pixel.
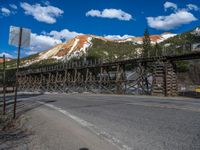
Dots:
pixel 19 96
pixel 25 103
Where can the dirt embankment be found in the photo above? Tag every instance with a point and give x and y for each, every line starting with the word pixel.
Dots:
pixel 12 134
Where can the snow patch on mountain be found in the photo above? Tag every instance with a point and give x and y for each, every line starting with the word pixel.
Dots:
pixel 154 38
pixel 77 50
pixel 51 53
pixel 196 31
pixel 166 36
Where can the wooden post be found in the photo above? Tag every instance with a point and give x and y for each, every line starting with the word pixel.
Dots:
pixel 64 81
pixel 119 78
pixel 48 82
pixel 86 79
pixel 124 79
pixel 101 79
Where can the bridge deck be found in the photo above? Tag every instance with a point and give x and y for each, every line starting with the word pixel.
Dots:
pixel 99 63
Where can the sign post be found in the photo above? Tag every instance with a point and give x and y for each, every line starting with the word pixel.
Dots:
pixel 19 37
pixel 4 85
pixel 16 83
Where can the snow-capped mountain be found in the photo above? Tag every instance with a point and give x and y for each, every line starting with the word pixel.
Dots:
pixel 154 38
pixel 65 51
pixel 79 46
pixel 196 31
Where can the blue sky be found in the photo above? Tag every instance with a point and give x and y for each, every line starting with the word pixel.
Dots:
pixel 52 22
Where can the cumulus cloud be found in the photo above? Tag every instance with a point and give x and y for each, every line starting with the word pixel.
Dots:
pixel 44 41
pixel 46 13
pixel 41 42
pixel 176 19
pixel 111 14
pixel 118 37
pixel 168 5
pixel 64 34
pixel 172 21
pixel 193 7
pixel 5 11
pixel 7 55
pixel 13 6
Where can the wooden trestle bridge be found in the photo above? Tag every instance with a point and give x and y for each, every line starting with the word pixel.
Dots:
pixel 146 76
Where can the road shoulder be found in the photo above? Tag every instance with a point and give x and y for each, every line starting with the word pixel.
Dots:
pixel 53 130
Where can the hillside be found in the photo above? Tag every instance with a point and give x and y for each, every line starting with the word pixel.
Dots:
pixel 186 39
pixel 94 47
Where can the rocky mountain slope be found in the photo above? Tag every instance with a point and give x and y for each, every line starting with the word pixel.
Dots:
pixel 82 45
pixel 7 60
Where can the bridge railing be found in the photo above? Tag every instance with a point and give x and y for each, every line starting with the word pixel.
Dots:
pixel 99 62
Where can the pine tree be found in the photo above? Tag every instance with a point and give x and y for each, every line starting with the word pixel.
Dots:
pixel 146 44
pixel 157 51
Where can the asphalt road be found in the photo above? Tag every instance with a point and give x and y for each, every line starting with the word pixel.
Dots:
pixel 127 122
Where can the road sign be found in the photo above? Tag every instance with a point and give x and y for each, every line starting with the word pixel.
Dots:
pixel 14 36
pixel 19 37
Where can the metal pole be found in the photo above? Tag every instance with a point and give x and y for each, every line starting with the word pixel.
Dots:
pixel 16 83
pixel 4 85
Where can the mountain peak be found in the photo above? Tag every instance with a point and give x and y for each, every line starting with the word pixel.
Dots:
pixel 79 46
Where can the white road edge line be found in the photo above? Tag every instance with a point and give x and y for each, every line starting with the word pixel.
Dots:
pixel 106 136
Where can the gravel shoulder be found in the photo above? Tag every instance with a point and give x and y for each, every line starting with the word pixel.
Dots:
pixel 51 130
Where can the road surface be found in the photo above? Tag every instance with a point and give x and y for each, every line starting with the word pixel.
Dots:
pixel 87 121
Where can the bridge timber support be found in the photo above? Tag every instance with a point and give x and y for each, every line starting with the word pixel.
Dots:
pixel 164 79
pixel 150 77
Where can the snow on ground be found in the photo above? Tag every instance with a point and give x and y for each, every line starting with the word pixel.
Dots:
pixel 166 36
pixel 50 53
pixel 70 53
pixel 79 52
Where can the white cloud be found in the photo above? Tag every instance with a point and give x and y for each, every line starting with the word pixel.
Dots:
pixel 13 6
pixel 118 37
pixel 46 13
pixel 41 42
pixel 176 19
pixel 46 40
pixel 168 5
pixel 110 13
pixel 46 2
pixel 172 21
pixel 64 34
pixel 193 7
pixel 7 55
pixel 5 11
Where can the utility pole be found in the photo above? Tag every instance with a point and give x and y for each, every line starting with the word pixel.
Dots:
pixel 16 83
pixel 4 85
